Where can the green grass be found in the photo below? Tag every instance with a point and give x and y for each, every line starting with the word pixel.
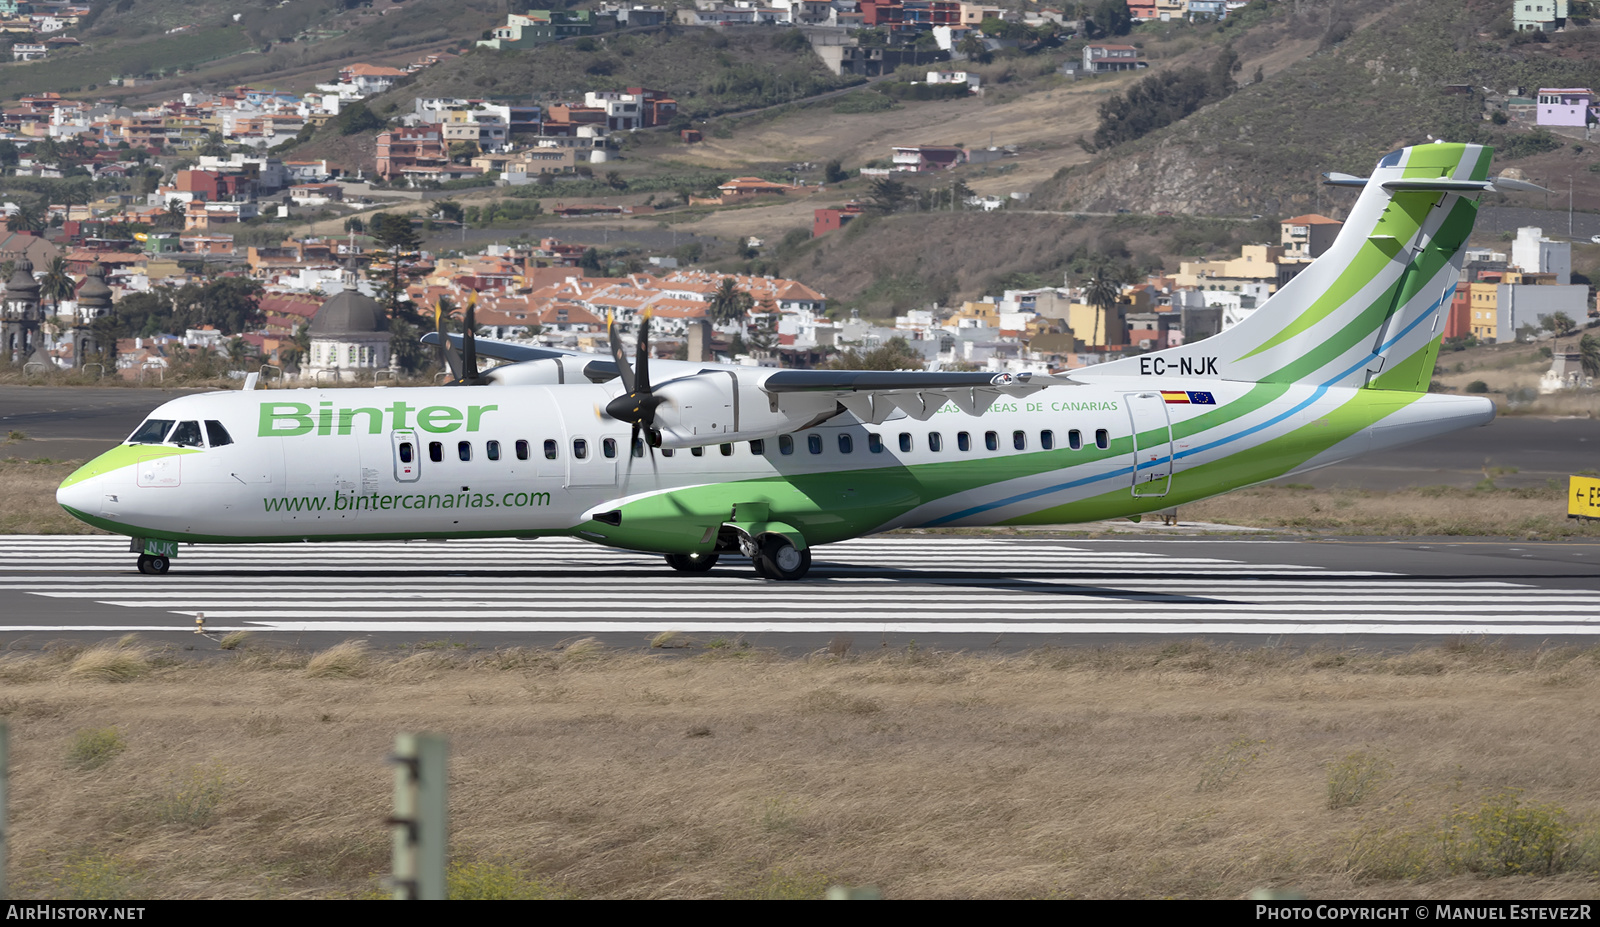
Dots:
pixel 96 63
pixel 94 748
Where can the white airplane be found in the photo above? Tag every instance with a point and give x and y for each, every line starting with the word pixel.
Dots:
pixel 694 461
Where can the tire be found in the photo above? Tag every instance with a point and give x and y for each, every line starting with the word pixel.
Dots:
pixel 160 565
pixel 781 560
pixel 144 563
pixel 691 563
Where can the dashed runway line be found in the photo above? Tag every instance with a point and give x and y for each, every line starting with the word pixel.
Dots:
pixel 873 585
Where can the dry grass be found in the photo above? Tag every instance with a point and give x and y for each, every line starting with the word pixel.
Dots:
pixel 121 662
pixel 28 505
pixel 349 660
pixel 1185 770
pixel 1434 511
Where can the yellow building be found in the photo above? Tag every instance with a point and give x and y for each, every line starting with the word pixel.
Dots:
pixel 1485 309
pixel 1256 264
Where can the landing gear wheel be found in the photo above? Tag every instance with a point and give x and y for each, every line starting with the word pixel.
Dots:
pixel 781 560
pixel 692 563
pixel 154 566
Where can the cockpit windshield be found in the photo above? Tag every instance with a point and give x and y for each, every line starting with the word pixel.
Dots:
pixel 187 434
pixel 153 431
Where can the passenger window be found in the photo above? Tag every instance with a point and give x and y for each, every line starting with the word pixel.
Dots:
pixel 991 441
pixel 187 434
pixel 758 447
pixel 727 450
pixel 216 435
pixel 549 449
pixel 697 451
pixel 1047 439
pixel 435 451
pixel 580 448
pixel 464 450
pixel 151 432
pixel 875 442
pixel 814 443
pixel 405 452
pixel 786 444
pixel 1075 439
pixel 1102 438
pixel 963 441
pixel 523 449
pixel 905 442
pixel 847 444
pixel 608 447
pixel 667 452
pixel 492 449
pixel 638 446
pixel 1019 440
pixel 935 441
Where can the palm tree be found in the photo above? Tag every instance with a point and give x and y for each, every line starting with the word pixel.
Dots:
pixel 57 284
pixel 1589 347
pixel 26 219
pixel 1101 293
pixel 729 304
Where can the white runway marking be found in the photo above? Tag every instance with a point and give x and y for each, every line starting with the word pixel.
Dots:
pixel 876 585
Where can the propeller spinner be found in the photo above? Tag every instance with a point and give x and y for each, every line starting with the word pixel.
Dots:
pixel 638 405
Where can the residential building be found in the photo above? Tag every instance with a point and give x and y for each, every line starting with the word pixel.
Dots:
pixel 1305 238
pixel 539 27
pixel 925 158
pixel 1103 57
pixel 1566 107
pixel 1538 15
pixel 830 220
pixel 407 148
pixel 1532 253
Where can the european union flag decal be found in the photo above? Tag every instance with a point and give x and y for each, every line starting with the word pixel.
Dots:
pixel 1201 399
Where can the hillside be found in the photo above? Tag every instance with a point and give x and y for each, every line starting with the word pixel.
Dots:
pixel 1262 149
pixel 289 45
pixel 706 71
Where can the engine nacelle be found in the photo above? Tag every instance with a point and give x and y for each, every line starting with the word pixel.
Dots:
pixel 715 407
pixel 553 370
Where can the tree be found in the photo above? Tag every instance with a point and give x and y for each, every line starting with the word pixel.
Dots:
pixel 1560 323
pixel 894 354
pixel 729 304
pixel 57 283
pixel 1589 348
pixel 888 195
pixel 27 218
pixel 1101 293
pixel 834 172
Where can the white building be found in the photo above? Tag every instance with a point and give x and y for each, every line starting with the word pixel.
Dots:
pixel 1536 254
pixel 349 339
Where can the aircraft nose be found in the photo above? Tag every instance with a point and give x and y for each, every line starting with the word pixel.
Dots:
pixel 80 493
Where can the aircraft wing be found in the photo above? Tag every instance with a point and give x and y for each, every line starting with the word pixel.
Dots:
pixel 872 395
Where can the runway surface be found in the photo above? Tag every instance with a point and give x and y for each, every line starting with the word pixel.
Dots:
pixel 955 590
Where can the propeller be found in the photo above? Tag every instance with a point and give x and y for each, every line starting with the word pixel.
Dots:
pixel 464 366
pixel 638 405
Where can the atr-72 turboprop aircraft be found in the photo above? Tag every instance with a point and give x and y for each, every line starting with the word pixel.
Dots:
pixel 694 460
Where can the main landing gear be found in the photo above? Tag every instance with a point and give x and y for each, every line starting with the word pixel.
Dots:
pixel 154 565
pixel 773 555
pixel 779 559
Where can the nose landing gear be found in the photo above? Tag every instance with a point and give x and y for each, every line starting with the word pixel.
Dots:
pixel 154 565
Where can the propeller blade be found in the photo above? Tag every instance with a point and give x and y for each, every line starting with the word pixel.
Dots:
pixel 451 359
pixel 641 368
pixel 469 346
pixel 617 354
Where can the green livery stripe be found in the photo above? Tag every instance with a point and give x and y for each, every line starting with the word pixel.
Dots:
pixel 1401 219
pixel 1268 460
pixel 124 455
pixel 1428 264
pixel 1413 374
